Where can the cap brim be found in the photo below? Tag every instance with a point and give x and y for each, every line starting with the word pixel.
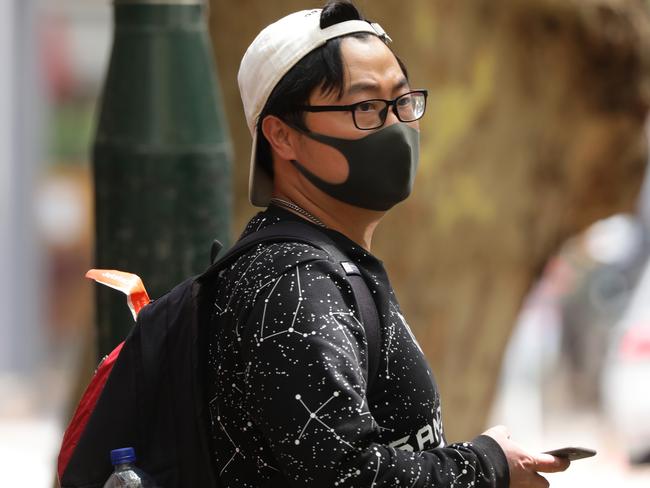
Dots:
pixel 260 183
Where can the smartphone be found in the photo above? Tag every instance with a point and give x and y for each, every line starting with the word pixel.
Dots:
pixel 572 453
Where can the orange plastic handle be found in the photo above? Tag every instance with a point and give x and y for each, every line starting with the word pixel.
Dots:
pixel 128 283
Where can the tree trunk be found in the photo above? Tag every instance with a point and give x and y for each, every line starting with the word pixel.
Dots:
pixel 534 130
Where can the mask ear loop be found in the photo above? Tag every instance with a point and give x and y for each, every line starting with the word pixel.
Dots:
pixel 300 130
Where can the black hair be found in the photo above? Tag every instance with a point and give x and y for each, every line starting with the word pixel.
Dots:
pixel 322 68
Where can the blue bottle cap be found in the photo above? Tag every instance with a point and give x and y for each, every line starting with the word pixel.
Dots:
pixel 122 456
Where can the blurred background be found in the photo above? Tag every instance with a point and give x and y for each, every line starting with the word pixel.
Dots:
pixel 522 257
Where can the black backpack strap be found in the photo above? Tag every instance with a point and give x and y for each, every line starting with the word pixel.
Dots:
pixel 295 231
pixel 369 317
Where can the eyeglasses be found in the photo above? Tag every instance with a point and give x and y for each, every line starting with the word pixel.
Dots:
pixel 371 114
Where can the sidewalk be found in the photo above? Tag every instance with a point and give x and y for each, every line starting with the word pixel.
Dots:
pixel 28 449
pixel 31 428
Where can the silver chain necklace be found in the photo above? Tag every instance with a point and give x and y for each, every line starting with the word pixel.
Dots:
pixel 301 211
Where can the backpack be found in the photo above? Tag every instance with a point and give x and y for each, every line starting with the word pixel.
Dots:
pixel 148 394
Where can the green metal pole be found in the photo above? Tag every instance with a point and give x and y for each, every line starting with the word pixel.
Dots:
pixel 162 155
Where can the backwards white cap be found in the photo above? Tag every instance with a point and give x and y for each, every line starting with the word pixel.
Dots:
pixel 270 56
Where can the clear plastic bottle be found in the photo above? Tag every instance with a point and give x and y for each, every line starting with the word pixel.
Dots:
pixel 126 475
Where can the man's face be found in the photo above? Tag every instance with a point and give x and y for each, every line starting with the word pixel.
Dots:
pixel 370 71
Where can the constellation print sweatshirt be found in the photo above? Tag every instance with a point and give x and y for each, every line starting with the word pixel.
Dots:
pixel 287 381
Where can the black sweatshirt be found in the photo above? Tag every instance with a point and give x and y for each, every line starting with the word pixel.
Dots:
pixel 287 387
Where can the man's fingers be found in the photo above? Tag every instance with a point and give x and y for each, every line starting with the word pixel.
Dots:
pixel 546 463
pixel 540 481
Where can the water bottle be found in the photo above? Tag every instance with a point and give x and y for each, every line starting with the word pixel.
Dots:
pixel 126 475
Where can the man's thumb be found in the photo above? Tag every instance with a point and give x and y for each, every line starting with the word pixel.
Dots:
pixel 547 463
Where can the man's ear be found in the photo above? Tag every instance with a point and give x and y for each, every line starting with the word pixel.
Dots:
pixel 280 137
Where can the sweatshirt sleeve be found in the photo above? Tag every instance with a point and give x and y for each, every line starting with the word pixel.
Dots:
pixel 306 392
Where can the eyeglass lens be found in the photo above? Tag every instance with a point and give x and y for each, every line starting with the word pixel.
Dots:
pixel 372 114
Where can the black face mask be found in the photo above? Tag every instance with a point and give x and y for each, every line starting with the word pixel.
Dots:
pixel 381 165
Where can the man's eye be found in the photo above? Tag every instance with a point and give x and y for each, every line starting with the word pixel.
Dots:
pixel 370 106
pixel 405 101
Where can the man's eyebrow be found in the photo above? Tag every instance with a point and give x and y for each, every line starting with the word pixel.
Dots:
pixel 401 84
pixel 372 86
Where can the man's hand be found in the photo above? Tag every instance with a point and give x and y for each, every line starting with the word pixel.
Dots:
pixel 525 467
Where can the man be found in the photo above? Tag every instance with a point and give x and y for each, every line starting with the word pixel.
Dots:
pixel 292 401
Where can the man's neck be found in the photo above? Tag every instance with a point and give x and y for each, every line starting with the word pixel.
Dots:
pixel 355 223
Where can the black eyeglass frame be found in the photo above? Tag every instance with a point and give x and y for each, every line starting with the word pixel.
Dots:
pixel 383 114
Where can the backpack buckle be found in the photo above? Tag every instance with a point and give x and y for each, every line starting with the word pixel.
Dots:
pixel 350 268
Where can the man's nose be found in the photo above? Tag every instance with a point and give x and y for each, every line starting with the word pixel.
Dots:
pixel 391 117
